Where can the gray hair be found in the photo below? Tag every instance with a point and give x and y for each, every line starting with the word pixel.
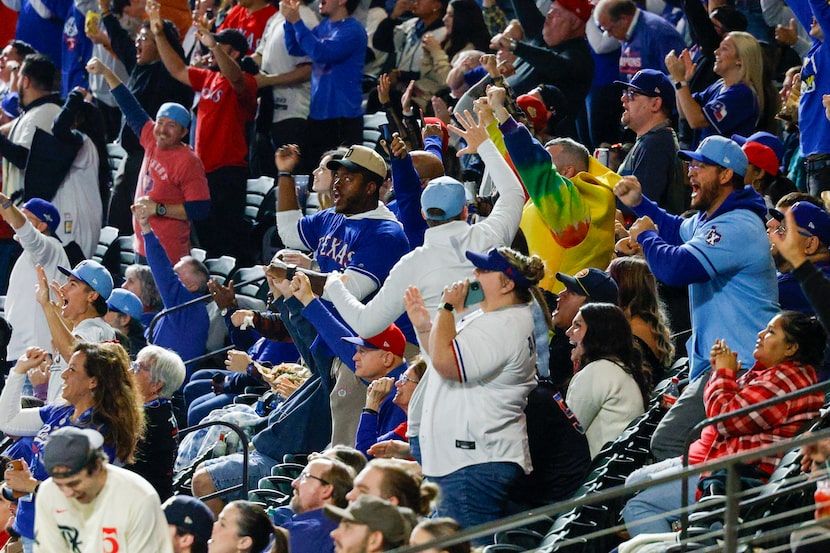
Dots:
pixel 149 296
pixel 166 367
pixel 573 153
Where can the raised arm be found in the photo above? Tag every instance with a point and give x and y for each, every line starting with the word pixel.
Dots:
pixel 171 60
pixel 227 66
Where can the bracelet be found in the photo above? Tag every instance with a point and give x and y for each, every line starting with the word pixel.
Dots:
pixel 6 205
pixel 284 174
pixel 368 411
pixel 34 492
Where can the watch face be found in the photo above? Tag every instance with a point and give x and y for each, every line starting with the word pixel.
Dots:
pixel 161 209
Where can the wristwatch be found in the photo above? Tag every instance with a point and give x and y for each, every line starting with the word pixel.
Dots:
pixel 161 210
pixel 680 84
pixel 447 306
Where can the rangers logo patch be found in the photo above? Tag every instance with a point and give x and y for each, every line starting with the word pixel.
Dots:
pixel 712 236
pixel 719 111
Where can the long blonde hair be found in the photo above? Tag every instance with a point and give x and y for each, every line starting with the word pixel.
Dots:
pixel 752 64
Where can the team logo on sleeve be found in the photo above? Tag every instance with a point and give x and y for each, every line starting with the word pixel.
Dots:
pixel 712 236
pixel 719 111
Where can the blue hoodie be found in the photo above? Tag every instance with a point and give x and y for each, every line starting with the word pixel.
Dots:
pixel 726 262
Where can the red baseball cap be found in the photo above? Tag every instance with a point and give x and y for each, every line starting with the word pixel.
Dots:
pixel 391 340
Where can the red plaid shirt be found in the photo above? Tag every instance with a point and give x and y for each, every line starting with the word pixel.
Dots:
pixel 766 426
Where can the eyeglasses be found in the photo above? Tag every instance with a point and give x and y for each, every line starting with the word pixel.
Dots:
pixel 403 379
pixel 700 165
pixel 782 230
pixel 136 367
pixel 630 93
pixel 306 475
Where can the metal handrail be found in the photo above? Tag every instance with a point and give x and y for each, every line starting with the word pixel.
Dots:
pixel 243 439
pixel 732 479
pixel 201 299
pixel 544 513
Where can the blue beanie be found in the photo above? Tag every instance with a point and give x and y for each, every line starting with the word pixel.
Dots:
pixel 176 112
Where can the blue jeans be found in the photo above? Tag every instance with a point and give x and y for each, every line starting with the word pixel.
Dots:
pixel 656 501
pixel 28 544
pixel 476 494
pixel 227 471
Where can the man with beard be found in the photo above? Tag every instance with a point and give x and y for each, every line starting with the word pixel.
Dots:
pixel 171 185
pixel 152 86
pixel 39 107
pixel 721 254
pixel 228 102
pixel 323 482
pixel 648 103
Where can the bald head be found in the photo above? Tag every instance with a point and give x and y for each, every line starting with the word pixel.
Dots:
pixel 427 165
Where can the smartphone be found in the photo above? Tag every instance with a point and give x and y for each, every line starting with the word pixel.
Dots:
pixel 474 294
pixel 209 14
pixel 386 133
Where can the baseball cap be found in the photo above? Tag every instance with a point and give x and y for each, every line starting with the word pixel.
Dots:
pixel 446 194
pixel 652 83
pixel 46 212
pixel 93 274
pixel 592 283
pixel 582 8
pixel 69 449
pixel 810 217
pixel 376 513
pixel 718 150
pixel 391 340
pixel 176 112
pixel 191 515
pixel 234 39
pixel 536 111
pixel 765 139
pixel 495 261
pixel 125 302
pixel 360 157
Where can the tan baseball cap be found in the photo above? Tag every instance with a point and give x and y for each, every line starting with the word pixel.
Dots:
pixel 360 157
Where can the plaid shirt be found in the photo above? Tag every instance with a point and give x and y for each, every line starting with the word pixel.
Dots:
pixel 764 427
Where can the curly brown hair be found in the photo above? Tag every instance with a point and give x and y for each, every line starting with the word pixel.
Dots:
pixel 116 399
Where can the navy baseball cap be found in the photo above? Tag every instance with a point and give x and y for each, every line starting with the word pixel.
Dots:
pixel 592 283
pixel 93 274
pixel 810 217
pixel 495 261
pixel 718 150
pixel 652 83
pixel 124 301
pixel 46 212
pixel 234 38
pixel 446 194
pixel 190 515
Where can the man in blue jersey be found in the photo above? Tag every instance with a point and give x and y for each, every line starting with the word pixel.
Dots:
pixel 646 37
pixel 722 254
pixel 337 48
pixel 357 235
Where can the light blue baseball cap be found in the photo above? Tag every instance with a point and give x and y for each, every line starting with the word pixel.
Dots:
pixel 124 301
pixel 176 112
pixel 718 150
pixel 446 194
pixel 93 274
